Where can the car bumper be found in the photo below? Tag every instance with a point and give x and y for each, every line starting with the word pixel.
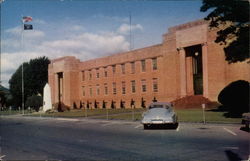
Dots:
pixel 158 122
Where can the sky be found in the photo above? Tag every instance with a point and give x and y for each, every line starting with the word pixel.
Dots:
pixel 85 29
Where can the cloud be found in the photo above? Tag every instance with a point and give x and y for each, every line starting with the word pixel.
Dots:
pixel 77 28
pixel 112 18
pixel 125 28
pixel 11 61
pixel 84 46
pixel 72 40
pixel 32 34
pixel 39 21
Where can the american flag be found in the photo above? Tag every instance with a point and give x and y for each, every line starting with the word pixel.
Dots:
pixel 27 19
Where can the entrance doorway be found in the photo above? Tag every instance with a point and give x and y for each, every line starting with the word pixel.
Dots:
pixel 195 54
pixel 60 89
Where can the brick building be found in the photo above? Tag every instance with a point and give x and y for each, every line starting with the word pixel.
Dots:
pixel 187 62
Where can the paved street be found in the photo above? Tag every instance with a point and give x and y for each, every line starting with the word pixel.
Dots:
pixel 87 139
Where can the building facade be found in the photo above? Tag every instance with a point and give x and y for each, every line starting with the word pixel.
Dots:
pixel 188 62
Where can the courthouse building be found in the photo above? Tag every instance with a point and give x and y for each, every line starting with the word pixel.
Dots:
pixel 187 63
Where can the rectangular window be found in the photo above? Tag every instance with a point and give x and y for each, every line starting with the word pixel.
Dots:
pixel 90 75
pixel 113 69
pixel 123 87
pixel 97 89
pixel 105 72
pixel 155 85
pixel 133 86
pixel 143 85
pixel 154 63
pixel 83 76
pixel 143 65
pixel 114 88
pixel 83 91
pixel 123 68
pixel 106 89
pixel 132 67
pixel 90 91
pixel 97 73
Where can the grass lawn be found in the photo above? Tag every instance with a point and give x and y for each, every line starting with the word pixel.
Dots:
pixel 196 115
pixel 14 112
pixel 184 115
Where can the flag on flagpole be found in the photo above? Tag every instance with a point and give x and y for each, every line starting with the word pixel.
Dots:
pixel 27 27
pixel 27 19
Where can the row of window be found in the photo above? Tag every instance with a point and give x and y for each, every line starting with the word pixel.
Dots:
pixel 123 87
pixel 123 71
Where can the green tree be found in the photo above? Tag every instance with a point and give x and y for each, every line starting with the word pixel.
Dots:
pixel 35 76
pixel 233 15
pixel 34 102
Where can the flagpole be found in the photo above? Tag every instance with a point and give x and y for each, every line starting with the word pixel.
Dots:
pixel 130 46
pixel 1 1
pixel 22 67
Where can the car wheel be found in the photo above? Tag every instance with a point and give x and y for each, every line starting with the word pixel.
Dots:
pixel 145 126
pixel 175 125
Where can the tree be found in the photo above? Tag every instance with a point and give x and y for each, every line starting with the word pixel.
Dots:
pixel 103 104
pixel 4 97
pixel 34 102
pixel 87 104
pixel 143 103
pixel 80 105
pixel 112 106
pixel 233 15
pixel 35 76
pixel 235 98
pixel 132 103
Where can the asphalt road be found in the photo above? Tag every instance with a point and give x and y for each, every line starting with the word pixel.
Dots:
pixel 87 139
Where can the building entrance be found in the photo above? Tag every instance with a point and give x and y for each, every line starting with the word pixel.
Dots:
pixel 60 89
pixel 194 54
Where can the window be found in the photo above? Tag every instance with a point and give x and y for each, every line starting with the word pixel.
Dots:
pixel 113 69
pixel 106 89
pixel 133 86
pixel 83 76
pixel 97 89
pixel 90 75
pixel 123 68
pixel 143 65
pixel 83 91
pixel 105 72
pixel 90 91
pixel 97 73
pixel 143 85
pixel 114 88
pixel 123 87
pixel 155 85
pixel 154 63
pixel 132 67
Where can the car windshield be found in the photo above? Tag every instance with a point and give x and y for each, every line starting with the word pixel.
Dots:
pixel 156 106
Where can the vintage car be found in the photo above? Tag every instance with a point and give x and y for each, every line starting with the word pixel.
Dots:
pixel 159 113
